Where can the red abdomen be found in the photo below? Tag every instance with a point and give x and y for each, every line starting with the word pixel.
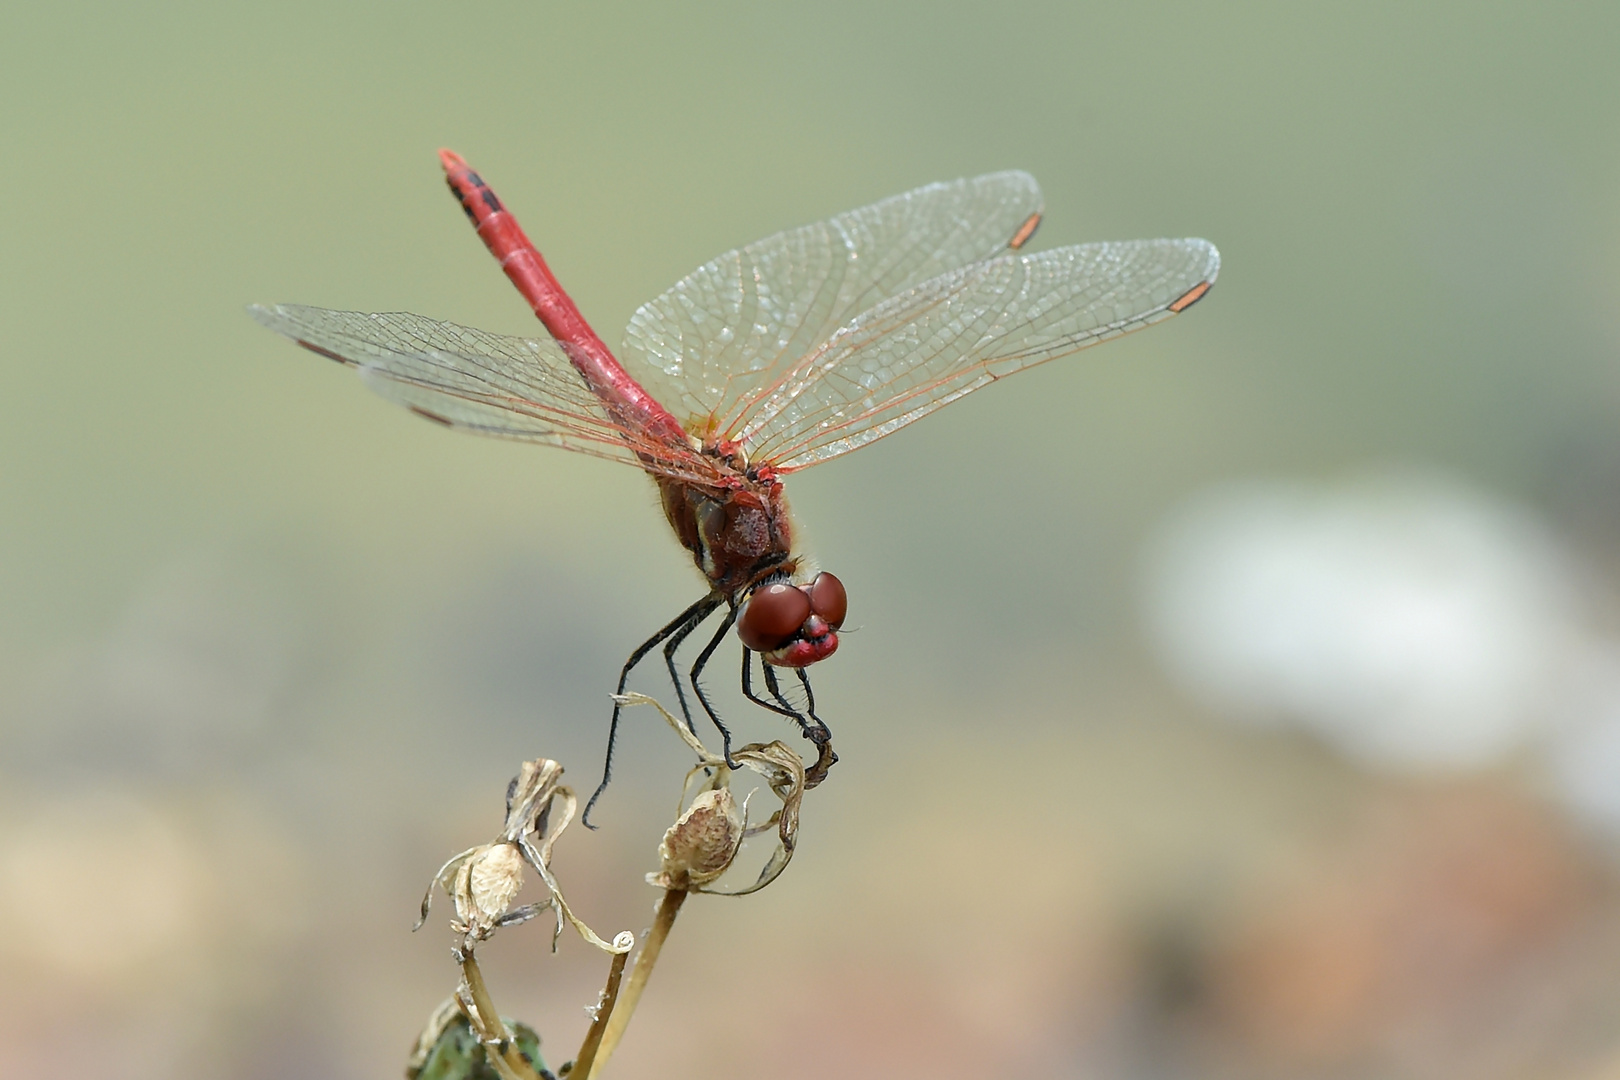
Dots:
pixel 630 404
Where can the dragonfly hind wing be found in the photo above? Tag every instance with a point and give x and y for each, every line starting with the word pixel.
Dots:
pixel 912 354
pixel 462 377
pixel 705 346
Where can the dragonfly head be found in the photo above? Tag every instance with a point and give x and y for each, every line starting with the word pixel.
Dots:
pixel 793 625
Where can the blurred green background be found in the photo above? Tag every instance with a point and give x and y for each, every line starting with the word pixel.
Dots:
pixel 271 648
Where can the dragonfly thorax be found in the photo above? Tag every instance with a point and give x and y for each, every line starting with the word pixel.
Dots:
pixel 741 537
pixel 738 534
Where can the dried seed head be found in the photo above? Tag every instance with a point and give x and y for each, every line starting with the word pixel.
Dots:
pixel 483 881
pixel 783 769
pixel 486 885
pixel 702 843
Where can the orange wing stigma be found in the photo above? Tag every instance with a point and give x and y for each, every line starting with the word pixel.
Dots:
pixel 1190 297
pixel 1025 231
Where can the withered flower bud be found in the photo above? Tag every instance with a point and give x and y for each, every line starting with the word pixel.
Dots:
pixel 485 880
pixel 702 843
pixel 486 885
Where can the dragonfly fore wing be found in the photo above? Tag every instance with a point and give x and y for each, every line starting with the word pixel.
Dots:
pixel 906 357
pixel 462 377
pixel 732 326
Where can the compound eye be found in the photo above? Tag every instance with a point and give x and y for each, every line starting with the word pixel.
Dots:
pixel 828 600
pixel 773 615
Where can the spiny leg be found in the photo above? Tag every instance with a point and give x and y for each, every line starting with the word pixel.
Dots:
pixel 776 692
pixel 809 694
pixel 697 687
pixel 698 612
pixel 810 700
pixel 670 647
pixel 826 756
pixel 810 707
pixel 748 688
pixel 812 725
pixel 820 734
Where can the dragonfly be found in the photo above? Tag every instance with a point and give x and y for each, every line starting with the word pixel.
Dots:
pixel 783 354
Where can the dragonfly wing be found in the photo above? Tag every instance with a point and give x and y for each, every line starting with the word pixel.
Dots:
pixel 462 377
pixel 735 324
pixel 918 351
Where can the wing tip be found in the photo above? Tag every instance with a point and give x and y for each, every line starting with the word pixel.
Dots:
pixel 1025 231
pixel 427 414
pixel 1212 264
pixel 277 317
pixel 1212 270
pixel 1190 297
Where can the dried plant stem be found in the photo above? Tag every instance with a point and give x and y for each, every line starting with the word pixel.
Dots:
pixel 499 1046
pixel 619 1019
pixel 604 1012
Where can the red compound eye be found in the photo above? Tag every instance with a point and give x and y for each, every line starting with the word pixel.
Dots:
pixel 773 616
pixel 828 600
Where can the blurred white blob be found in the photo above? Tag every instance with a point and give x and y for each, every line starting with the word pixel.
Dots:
pixel 1583 753
pixel 1408 620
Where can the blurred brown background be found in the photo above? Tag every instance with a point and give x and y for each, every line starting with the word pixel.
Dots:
pixel 1240 699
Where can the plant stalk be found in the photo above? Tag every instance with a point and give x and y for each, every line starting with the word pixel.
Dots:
pixel 604 1012
pixel 499 1046
pixel 619 1019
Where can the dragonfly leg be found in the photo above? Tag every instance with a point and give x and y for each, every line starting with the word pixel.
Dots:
pixel 670 646
pixel 826 758
pixel 814 728
pixel 684 621
pixel 697 687
pixel 785 708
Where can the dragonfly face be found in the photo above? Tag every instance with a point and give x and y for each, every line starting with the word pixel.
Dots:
pixel 793 625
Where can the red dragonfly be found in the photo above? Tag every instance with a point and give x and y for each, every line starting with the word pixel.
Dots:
pixel 769 359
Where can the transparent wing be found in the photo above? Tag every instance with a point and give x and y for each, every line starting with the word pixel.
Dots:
pixel 508 387
pixel 735 324
pixel 918 351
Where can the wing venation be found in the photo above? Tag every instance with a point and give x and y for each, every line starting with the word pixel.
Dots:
pixel 462 377
pixel 916 352
pixel 707 345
